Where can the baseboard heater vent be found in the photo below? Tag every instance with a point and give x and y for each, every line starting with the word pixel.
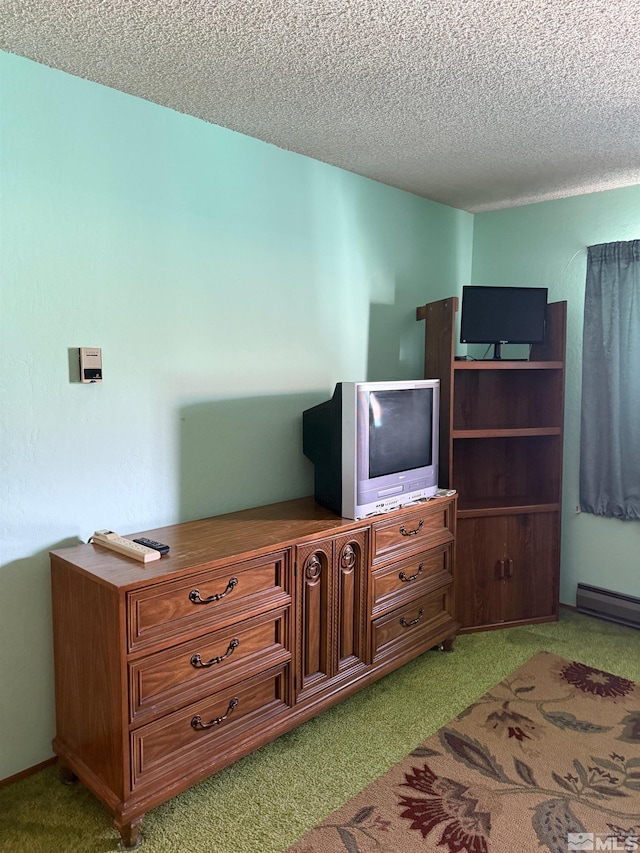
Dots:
pixel 605 604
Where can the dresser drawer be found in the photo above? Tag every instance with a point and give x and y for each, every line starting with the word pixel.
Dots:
pixel 428 526
pixel 399 583
pixel 209 663
pixel 200 738
pixel 207 600
pixel 412 626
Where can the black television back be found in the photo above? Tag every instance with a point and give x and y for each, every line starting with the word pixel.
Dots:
pixel 503 315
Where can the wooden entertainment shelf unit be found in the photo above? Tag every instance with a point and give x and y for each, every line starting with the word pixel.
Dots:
pixel 501 434
pixel 255 621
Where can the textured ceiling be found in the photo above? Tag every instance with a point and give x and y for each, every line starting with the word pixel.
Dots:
pixel 478 104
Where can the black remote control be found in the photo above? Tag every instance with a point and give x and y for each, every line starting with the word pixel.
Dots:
pixel 157 546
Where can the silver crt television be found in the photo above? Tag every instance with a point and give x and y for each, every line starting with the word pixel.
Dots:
pixel 374 445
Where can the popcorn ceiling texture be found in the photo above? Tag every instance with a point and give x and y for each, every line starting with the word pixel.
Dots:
pixel 479 104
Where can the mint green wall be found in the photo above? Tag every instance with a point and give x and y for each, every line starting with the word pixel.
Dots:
pixel 544 245
pixel 229 284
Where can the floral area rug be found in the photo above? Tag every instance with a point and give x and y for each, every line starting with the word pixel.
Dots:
pixel 548 760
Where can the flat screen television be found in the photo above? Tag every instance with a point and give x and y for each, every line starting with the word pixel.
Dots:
pixel 374 445
pixel 503 315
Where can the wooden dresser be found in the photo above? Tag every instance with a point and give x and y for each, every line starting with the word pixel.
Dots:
pixel 254 622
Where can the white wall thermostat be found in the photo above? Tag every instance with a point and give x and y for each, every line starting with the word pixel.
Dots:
pixel 90 364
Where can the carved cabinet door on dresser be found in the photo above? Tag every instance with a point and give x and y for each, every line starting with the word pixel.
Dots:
pixel 331 614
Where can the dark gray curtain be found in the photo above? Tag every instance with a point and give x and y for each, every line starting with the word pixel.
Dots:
pixel 610 435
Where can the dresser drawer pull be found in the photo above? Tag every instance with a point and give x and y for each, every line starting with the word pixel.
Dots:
pixel 197 661
pixel 194 595
pixel 415 621
pixel 406 579
pixel 405 532
pixel 197 723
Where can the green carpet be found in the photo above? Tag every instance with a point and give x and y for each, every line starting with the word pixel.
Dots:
pixel 265 802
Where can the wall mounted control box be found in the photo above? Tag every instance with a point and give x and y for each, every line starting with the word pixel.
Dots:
pixel 90 364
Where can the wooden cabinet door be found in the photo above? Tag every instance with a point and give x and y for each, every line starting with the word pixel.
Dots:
pixel 314 592
pixel 530 586
pixel 480 553
pixel 331 611
pixel 506 568
pixel 350 554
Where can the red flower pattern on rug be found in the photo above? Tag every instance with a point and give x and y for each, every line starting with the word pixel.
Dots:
pixel 595 681
pixel 449 803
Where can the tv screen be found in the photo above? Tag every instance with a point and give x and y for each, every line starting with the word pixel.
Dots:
pixel 374 445
pixel 397 439
pixel 503 315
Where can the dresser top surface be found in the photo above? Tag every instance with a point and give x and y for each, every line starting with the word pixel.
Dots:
pixel 221 539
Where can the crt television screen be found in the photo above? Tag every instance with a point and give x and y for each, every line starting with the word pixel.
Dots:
pixel 515 315
pixel 399 430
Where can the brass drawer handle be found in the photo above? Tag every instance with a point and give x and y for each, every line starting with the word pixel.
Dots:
pixel 405 532
pixel 196 722
pixel 415 621
pixel 194 595
pixel 196 660
pixel 407 578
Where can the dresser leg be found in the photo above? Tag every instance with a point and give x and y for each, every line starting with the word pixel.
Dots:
pixel 447 645
pixel 130 837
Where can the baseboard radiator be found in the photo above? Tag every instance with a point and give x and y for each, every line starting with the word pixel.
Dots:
pixel 605 604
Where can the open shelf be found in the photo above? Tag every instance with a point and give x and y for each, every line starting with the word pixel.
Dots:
pixel 499 399
pixel 503 470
